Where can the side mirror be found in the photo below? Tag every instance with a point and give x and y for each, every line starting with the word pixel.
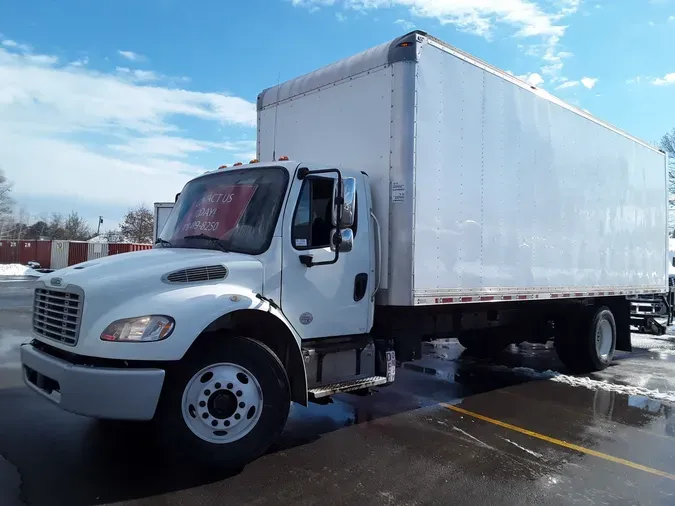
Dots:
pixel 343 240
pixel 349 202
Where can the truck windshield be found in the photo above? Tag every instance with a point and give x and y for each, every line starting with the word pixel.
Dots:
pixel 232 210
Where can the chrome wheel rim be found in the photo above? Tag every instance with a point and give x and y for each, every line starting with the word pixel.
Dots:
pixel 603 339
pixel 222 403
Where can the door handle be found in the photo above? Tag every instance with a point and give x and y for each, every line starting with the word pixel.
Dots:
pixel 360 286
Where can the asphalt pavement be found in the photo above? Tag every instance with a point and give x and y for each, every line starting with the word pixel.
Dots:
pixel 453 429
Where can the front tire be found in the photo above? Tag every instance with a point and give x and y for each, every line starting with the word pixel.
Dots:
pixel 225 403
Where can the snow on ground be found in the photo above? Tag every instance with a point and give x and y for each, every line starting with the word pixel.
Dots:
pixel 655 344
pixel 17 270
pixel 591 384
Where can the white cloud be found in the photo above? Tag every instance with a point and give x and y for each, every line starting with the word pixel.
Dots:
pixel 525 18
pixel 589 82
pixel 533 79
pixel 474 16
pixel 568 84
pixel 671 19
pixel 71 132
pixel 80 63
pixel 131 56
pixel 668 79
pixel 340 17
pixel 405 24
pixel 12 44
pixel 139 75
pixel 180 147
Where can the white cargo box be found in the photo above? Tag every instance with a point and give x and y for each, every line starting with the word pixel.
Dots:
pixel 162 212
pixel 486 188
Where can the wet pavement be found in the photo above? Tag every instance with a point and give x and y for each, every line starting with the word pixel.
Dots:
pixel 452 429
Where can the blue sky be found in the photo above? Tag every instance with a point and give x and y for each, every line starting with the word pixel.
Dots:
pixel 105 105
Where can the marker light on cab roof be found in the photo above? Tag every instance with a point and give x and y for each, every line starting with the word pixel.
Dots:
pixel 283 158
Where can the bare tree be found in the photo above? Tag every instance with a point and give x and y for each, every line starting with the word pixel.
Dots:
pixel 6 202
pixel 76 228
pixel 55 226
pixel 137 225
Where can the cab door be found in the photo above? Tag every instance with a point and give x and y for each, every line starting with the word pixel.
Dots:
pixel 334 297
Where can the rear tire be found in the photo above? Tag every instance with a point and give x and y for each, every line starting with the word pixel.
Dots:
pixel 587 341
pixel 225 404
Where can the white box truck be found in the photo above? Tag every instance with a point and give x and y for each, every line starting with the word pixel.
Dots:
pixel 431 195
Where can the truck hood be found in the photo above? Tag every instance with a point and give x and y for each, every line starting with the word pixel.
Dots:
pixel 142 271
pixel 137 284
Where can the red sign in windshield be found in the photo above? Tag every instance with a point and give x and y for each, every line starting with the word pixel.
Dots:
pixel 217 212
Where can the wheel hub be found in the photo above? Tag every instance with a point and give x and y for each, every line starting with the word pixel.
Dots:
pixel 222 403
pixel 603 339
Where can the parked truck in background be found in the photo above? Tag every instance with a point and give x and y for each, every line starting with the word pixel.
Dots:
pixel 432 196
pixel 654 313
pixel 162 212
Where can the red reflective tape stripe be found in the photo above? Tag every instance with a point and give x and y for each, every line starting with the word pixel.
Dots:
pixel 578 294
pixel 467 299
pixel 507 297
pixel 487 297
pixel 555 295
pixel 445 300
pixel 522 297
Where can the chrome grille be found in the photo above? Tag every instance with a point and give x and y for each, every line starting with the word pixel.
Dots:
pixel 195 274
pixel 57 315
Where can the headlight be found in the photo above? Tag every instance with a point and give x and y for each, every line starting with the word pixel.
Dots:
pixel 140 329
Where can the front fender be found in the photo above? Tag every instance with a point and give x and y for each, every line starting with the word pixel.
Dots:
pixel 193 308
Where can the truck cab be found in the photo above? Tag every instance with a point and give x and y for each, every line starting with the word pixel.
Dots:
pixel 223 323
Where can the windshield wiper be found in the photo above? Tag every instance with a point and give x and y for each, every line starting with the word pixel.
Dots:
pixel 163 242
pixel 214 240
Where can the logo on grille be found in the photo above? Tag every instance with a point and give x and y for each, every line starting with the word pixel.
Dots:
pixel 56 281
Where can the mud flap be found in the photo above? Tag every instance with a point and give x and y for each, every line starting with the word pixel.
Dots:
pixel 621 310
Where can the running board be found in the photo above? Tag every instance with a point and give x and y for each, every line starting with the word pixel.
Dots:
pixel 347 386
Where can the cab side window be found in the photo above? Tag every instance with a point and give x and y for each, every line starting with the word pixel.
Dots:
pixel 312 222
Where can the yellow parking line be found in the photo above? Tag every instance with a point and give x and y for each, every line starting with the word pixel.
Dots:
pixel 558 442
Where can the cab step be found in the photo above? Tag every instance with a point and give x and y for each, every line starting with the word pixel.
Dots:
pixel 346 386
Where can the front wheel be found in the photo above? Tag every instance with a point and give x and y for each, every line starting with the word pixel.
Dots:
pixel 226 402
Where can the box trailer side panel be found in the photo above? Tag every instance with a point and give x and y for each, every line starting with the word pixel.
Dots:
pixel 516 194
pixel 338 115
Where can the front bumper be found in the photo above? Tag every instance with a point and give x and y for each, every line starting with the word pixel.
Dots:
pixel 99 392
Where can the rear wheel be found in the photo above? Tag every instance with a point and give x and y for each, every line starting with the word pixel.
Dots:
pixel 226 403
pixel 587 342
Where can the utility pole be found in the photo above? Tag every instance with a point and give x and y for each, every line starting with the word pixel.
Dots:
pixel 98 229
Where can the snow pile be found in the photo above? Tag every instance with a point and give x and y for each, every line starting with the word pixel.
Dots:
pixel 591 384
pixel 18 270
